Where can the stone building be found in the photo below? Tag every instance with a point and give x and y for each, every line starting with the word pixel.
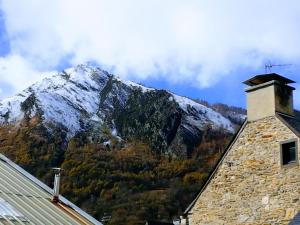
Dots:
pixel 257 180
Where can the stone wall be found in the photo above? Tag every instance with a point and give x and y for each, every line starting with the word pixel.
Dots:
pixel 251 186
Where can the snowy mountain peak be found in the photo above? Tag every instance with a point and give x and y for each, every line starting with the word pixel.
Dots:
pixel 78 98
pixel 65 98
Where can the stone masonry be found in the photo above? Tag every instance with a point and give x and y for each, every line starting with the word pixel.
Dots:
pixel 251 186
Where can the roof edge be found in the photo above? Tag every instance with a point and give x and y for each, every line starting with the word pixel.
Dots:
pixel 269 83
pixel 49 190
pixel 267 77
pixel 211 176
pixel 279 116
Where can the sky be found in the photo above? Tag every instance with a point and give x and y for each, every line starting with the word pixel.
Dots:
pixel 197 48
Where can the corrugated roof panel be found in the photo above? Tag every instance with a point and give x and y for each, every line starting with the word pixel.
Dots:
pixel 20 185
pixel 22 196
pixel 41 213
pixel 8 211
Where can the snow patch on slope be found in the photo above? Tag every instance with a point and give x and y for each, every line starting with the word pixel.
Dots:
pixel 202 114
pixel 10 108
pixel 66 98
pixel 135 85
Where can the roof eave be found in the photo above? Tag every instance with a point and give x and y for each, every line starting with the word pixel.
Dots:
pixel 278 116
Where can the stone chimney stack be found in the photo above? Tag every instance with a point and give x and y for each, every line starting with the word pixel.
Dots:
pixel 268 94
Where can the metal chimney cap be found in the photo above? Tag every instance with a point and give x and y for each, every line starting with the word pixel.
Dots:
pixel 57 170
pixel 263 78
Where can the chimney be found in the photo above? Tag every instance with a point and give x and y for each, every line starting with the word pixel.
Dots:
pixel 57 172
pixel 268 94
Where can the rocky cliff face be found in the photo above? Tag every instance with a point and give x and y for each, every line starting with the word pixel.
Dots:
pixel 86 99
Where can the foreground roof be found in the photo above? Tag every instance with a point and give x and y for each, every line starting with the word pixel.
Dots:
pixel 26 200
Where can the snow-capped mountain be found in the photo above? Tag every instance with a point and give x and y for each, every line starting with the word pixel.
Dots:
pixel 86 98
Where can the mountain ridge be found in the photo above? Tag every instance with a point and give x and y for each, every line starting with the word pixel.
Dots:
pixel 83 98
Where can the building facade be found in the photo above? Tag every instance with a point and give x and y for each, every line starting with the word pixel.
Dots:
pixel 257 181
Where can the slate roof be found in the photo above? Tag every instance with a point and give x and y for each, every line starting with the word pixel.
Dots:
pixel 296 220
pixel 293 122
pixel 26 200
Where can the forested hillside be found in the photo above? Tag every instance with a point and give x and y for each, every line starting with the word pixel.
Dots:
pixel 127 183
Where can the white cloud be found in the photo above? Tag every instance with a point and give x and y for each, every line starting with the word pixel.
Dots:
pixel 195 41
pixel 18 73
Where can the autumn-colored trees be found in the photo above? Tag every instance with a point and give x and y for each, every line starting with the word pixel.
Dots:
pixel 125 183
pixel 132 183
